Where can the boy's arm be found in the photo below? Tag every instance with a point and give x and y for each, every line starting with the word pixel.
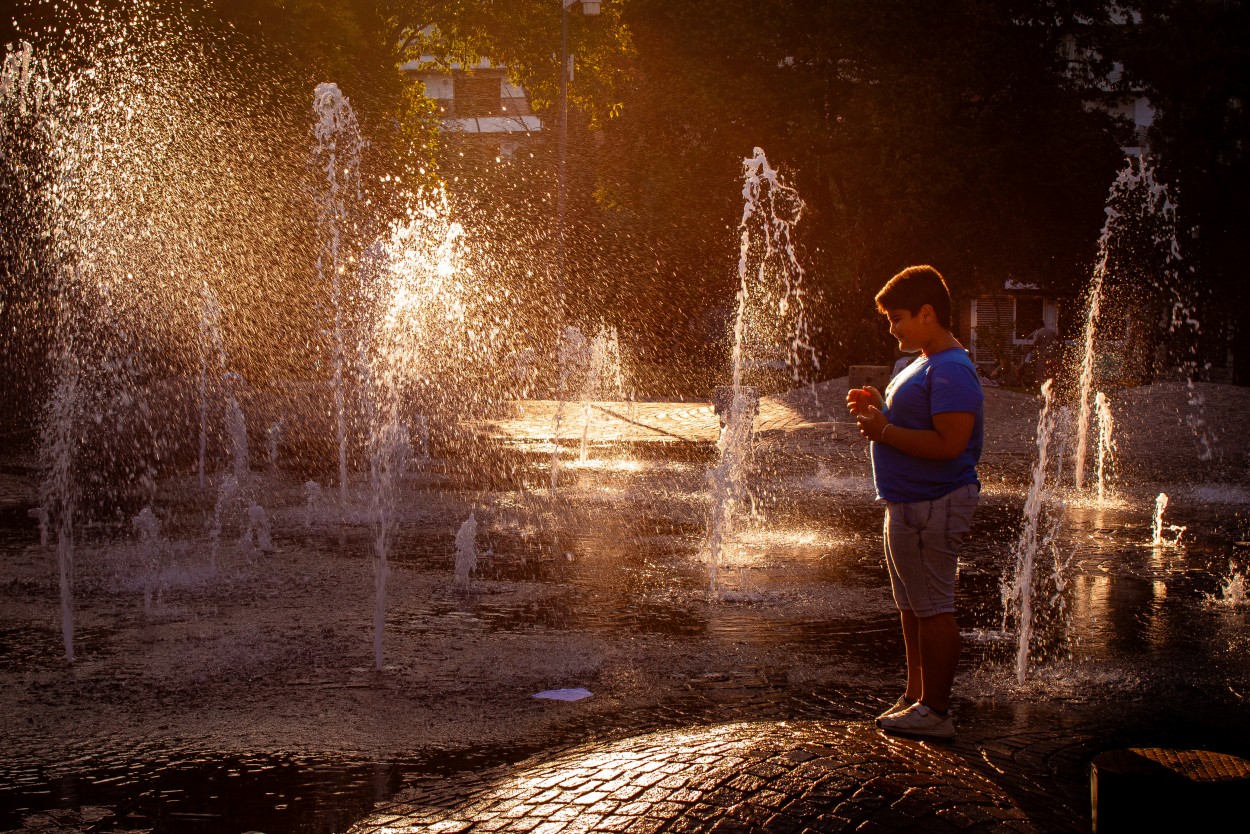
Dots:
pixel 945 441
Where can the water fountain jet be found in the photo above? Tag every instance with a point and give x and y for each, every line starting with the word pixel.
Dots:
pixel 769 279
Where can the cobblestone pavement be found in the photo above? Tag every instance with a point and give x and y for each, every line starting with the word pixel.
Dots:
pixel 766 777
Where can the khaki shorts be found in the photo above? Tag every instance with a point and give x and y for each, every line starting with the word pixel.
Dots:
pixel 922 543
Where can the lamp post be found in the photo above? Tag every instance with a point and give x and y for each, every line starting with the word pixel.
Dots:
pixel 590 8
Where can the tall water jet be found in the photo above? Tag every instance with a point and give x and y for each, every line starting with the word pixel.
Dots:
pixel 412 296
pixel 148 528
pixel 1106 444
pixel 1137 199
pixel 312 497
pixel 572 361
pixel 605 379
pixel 212 362
pixel 388 455
pixel 1122 184
pixel 58 491
pixel 339 145
pixel 1022 589
pixel 769 301
pixel 226 494
pixel 1156 527
pixel 466 551
pixel 236 428
pixel 1159 530
pixel 273 441
pixel 258 534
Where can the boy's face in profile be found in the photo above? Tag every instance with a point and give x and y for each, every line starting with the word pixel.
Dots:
pixel 912 331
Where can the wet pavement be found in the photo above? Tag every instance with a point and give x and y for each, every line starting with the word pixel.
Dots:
pixel 767 777
pixel 244 700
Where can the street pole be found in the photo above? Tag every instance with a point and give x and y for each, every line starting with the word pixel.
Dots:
pixel 589 7
pixel 562 160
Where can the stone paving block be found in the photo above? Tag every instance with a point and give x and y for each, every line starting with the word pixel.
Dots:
pixel 745 782
pixel 589 798
pixel 723 797
pixel 668 810
pixel 831 824
pixel 957 817
pixel 652 823
pixel 799 755
pixel 546 796
pixel 770 799
pixel 545 810
pixel 583 824
pixel 660 795
pixel 1005 814
pixel 767 770
pixel 611 774
pixel 687 825
pixel 893 820
pixel 604 806
pixel 615 784
pixel 550 828
pixel 703 811
pixel 914 803
pixel 520 809
pixel 635 809
pixel 674 781
pixel 625 793
pixel 563 813
pixel 783 824
pixel 616 822
pixel 646 780
pixel 805 808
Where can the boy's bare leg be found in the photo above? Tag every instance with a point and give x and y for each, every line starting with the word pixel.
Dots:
pixel 939 643
pixel 911 640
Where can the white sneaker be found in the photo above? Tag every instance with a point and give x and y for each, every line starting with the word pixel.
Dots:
pixel 901 704
pixel 918 720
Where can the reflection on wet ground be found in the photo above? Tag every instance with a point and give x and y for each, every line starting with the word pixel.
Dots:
pixel 801 629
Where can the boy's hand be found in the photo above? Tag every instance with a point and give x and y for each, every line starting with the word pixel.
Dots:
pixel 871 423
pixel 859 399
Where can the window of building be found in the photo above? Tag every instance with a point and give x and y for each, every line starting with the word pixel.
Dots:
pixel 1028 315
pixel 477 94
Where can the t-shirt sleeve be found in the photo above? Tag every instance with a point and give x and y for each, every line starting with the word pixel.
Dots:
pixel 954 387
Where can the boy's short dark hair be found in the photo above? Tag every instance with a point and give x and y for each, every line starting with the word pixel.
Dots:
pixel 915 287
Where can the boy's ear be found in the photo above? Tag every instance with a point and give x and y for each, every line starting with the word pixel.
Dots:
pixel 927 308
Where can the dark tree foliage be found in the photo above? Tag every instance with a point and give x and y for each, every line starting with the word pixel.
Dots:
pixel 951 133
pixel 916 132
pixel 1193 61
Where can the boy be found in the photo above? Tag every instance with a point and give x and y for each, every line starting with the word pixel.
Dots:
pixel 927 432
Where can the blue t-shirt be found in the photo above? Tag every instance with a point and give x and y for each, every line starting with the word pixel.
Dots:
pixel 945 381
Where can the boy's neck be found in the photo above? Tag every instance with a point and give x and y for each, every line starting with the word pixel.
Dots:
pixel 942 339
